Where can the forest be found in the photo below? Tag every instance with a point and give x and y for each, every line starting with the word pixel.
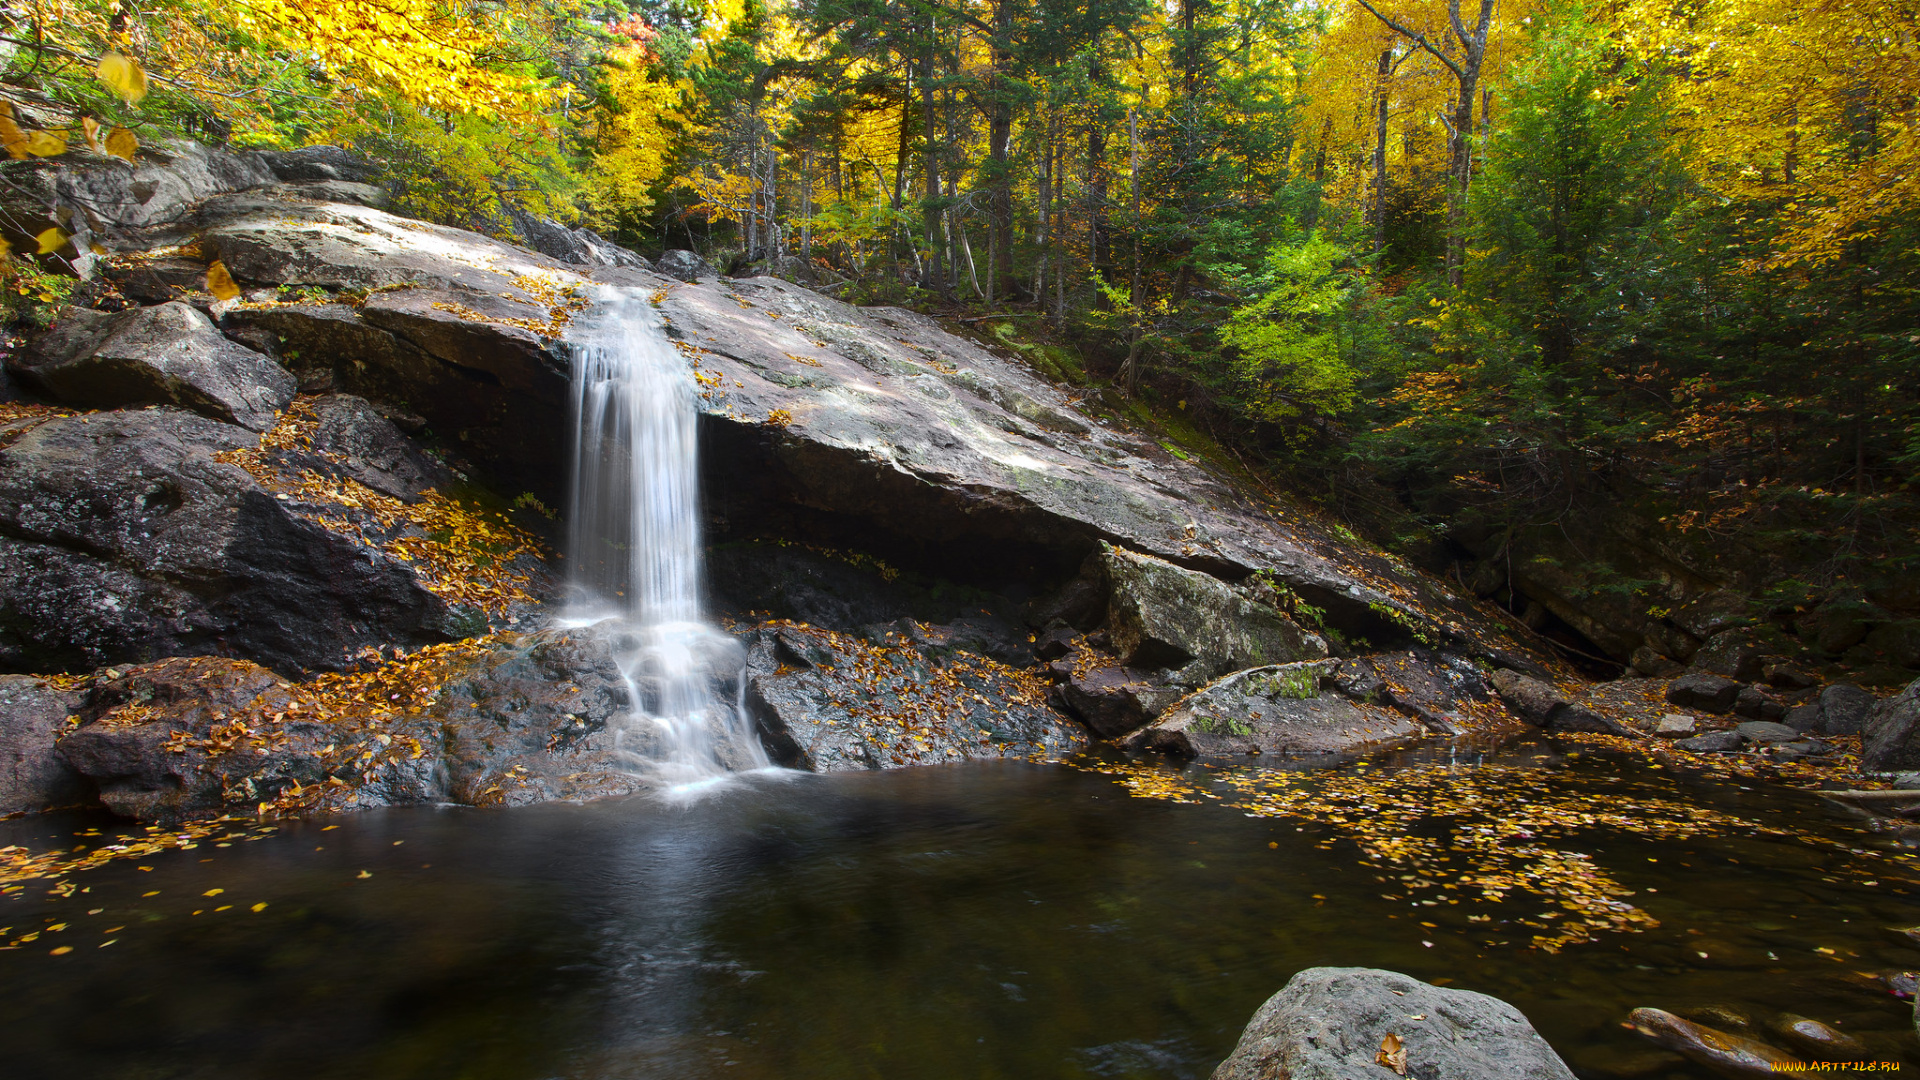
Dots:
pixel 1462 273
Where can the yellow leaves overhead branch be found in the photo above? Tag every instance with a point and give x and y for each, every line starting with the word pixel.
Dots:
pixel 428 53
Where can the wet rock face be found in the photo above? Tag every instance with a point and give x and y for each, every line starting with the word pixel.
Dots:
pixel 165 355
pixel 831 702
pixel 126 539
pixel 1278 709
pixel 33 714
pixel 1330 1023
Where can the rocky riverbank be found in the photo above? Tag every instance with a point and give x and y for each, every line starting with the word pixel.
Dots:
pixel 291 550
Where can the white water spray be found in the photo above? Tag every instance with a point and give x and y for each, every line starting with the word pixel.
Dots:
pixel 633 548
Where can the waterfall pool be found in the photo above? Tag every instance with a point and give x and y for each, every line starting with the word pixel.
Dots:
pixel 984 920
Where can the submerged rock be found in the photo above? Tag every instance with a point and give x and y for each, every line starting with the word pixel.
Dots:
pixel 1729 1055
pixel 1279 709
pixel 1820 1041
pixel 1332 1023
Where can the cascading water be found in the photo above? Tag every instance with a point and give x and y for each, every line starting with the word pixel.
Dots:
pixel 633 548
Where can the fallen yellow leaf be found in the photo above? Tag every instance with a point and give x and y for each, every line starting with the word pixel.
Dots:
pixel 220 283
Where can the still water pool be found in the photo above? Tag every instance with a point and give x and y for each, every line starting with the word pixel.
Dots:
pixel 979 921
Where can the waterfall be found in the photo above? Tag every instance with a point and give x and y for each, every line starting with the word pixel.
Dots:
pixel 633 548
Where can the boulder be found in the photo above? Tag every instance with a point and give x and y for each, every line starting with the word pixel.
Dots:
pixel 515 720
pixel 1674 726
pixel 114 203
pixel 33 714
pixel 1896 643
pixel 320 163
pixel 1546 707
pixel 369 448
pixel 1703 691
pixel 124 537
pixel 1844 708
pixel 567 244
pixel 1737 654
pixel 1648 661
pixel 1713 742
pixel 1333 1023
pixel 1711 613
pixel 1838 625
pixel 1758 704
pixel 1277 709
pixel 1432 687
pixel 165 355
pixel 830 702
pixel 127 750
pixel 1890 737
pixel 1164 616
pixel 684 265
pixel 1766 733
pixel 1111 699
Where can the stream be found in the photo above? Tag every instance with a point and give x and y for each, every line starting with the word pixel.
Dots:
pixel 982 920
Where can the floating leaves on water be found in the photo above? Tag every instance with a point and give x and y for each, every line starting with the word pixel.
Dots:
pixel 1443 836
pixel 124 75
pixel 220 283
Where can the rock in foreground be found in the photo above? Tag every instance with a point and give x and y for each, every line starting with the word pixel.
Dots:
pixel 1332 1023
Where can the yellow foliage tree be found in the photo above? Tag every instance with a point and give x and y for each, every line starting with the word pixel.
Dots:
pixel 1809 107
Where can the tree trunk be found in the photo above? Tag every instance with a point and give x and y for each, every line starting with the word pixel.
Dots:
pixel 1382 76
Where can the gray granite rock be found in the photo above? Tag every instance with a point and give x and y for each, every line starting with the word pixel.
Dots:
pixel 1704 691
pixel 1284 709
pixel 33 715
pixel 1160 615
pixel 1330 1023
pixel 1713 742
pixel 685 266
pixel 165 355
pixel 1890 737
